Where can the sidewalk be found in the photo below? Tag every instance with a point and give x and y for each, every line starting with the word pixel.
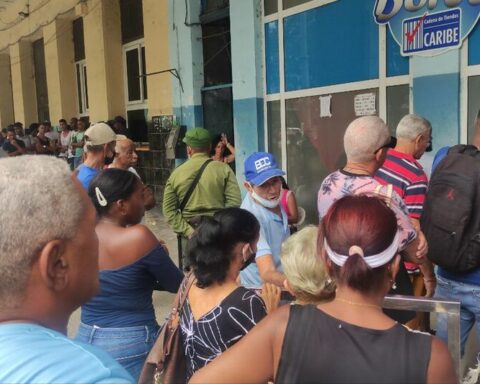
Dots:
pixel 161 300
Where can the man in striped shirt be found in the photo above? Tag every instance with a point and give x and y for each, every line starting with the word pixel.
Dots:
pixel 402 170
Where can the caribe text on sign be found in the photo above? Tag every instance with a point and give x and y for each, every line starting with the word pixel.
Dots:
pixel 383 15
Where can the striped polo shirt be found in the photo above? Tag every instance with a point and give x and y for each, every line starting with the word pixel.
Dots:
pixel 408 179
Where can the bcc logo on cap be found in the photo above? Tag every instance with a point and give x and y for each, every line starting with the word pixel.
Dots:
pixel 262 163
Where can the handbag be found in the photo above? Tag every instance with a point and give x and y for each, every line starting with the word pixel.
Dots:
pixel 166 362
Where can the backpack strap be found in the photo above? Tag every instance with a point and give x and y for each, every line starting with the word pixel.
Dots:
pixel 193 185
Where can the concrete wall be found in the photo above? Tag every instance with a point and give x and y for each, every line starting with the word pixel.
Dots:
pixel 187 57
pixel 52 20
pixel 103 54
pixel 6 98
pixel 60 66
pixel 23 82
pixel 156 25
pixel 247 77
pixel 41 13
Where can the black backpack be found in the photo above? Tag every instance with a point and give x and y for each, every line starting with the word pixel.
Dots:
pixel 451 214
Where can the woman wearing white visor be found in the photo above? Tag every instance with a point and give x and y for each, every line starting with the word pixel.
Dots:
pixel 350 339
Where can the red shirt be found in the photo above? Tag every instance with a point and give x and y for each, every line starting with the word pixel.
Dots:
pixel 408 179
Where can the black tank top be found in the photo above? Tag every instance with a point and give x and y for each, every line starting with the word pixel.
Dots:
pixel 319 348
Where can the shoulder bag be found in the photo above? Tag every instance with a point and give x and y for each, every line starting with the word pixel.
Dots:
pixel 166 361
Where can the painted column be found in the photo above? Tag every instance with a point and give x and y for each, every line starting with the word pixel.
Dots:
pixel 23 82
pixel 436 96
pixel 60 67
pixel 6 99
pixel 156 25
pixel 104 61
pixel 247 78
pixel 187 57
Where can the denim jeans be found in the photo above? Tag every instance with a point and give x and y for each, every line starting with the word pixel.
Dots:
pixel 469 297
pixel 129 346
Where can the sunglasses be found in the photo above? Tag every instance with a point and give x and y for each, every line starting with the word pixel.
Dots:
pixel 429 146
pixel 392 142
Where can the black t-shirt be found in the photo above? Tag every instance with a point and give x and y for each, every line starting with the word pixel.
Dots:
pixel 10 148
pixel 220 328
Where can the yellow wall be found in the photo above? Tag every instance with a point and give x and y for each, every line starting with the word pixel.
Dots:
pixel 155 22
pixel 60 66
pixel 41 13
pixel 6 100
pixel 52 20
pixel 23 82
pixel 103 52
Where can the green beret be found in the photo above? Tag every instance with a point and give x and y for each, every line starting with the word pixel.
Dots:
pixel 198 138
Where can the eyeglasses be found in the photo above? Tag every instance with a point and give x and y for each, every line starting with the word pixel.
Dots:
pixel 392 142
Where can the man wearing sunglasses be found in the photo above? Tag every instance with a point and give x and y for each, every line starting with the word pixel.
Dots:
pixel 366 142
pixel 409 180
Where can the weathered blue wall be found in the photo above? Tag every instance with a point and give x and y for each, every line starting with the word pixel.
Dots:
pixel 436 96
pixel 246 30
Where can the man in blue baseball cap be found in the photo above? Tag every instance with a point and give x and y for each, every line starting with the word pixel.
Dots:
pixel 264 185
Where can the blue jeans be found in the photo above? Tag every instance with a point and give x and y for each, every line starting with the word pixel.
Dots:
pixel 129 346
pixel 469 297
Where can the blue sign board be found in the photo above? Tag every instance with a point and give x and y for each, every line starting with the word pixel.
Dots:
pixel 428 27
pixel 432 31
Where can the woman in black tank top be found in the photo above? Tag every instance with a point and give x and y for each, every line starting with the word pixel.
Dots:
pixel 350 339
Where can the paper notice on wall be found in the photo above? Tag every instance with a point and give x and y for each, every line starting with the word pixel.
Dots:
pixel 325 102
pixel 365 104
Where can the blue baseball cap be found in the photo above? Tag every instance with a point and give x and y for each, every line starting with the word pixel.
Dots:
pixel 260 167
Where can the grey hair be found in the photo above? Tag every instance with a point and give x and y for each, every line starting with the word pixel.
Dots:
pixel 120 141
pixel 410 126
pixel 40 204
pixel 363 137
pixel 304 269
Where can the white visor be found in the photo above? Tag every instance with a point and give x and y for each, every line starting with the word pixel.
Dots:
pixel 373 261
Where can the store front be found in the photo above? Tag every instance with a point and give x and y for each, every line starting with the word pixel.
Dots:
pixel 329 61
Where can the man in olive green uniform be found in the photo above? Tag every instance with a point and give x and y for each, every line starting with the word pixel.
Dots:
pixel 216 189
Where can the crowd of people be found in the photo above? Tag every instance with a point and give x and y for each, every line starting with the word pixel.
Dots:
pixel 240 257
pixel 65 141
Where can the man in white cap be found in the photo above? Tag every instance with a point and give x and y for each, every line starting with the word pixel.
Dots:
pixel 100 150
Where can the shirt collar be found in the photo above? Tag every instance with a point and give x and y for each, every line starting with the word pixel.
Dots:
pixel 195 155
pixel 405 156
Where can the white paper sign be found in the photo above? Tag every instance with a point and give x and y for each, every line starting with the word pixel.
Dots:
pixel 325 106
pixel 365 104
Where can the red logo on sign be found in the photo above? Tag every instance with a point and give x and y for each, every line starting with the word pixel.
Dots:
pixel 451 195
pixel 411 35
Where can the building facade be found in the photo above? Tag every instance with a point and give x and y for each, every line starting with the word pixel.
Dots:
pixel 285 76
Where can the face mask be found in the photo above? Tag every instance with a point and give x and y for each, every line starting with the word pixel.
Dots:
pixel 249 259
pixel 109 160
pixel 266 203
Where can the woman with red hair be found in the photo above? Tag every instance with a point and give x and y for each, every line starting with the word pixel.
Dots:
pixel 349 339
